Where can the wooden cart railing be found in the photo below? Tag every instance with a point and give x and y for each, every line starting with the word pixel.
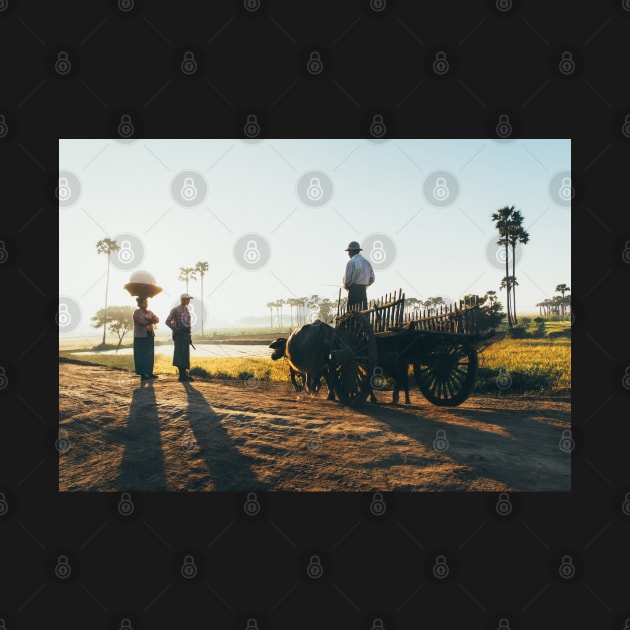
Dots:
pixel 388 314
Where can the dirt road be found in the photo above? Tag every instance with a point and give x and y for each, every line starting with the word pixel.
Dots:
pixel 121 434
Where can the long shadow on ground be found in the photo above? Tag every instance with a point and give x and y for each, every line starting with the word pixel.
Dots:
pixel 142 465
pixel 229 469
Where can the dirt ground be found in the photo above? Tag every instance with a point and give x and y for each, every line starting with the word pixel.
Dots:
pixel 118 433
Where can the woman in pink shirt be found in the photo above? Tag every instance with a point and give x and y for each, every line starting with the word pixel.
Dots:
pixel 143 339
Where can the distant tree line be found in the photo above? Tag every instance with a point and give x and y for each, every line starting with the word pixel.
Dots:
pixel 557 305
pixel 303 310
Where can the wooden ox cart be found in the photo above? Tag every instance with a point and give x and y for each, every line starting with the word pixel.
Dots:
pixel 441 347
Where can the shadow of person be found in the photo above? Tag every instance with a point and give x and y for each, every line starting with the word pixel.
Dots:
pixel 228 468
pixel 142 465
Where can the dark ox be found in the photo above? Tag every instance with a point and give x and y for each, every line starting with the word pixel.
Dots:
pixel 394 356
pixel 398 371
pixel 308 352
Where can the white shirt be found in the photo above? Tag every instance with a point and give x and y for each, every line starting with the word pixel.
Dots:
pixel 358 271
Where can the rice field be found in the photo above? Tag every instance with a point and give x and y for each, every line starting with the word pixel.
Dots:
pixel 526 366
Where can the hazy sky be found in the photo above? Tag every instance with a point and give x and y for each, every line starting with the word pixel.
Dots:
pixel 272 219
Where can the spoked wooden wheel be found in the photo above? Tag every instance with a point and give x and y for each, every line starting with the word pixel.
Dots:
pixel 353 358
pixel 446 375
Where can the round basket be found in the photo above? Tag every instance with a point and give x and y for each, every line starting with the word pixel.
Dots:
pixel 142 284
pixel 143 290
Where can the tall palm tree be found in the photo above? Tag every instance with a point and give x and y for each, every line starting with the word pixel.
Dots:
pixel 201 268
pixel 562 288
pixel 186 274
pixel 503 221
pixel 106 246
pixel 506 283
pixel 518 234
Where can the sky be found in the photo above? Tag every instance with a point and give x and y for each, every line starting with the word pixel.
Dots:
pixel 272 219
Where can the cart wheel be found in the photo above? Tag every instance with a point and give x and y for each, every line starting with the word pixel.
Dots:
pixel 446 376
pixel 353 358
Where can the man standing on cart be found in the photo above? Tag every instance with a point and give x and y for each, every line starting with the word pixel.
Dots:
pixel 358 276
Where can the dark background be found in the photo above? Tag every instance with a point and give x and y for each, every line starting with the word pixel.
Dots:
pixel 251 572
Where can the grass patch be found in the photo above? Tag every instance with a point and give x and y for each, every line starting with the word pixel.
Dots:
pixel 202 367
pixel 525 366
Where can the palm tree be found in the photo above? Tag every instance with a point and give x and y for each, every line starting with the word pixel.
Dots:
pixel 562 288
pixel 292 302
pixel 186 274
pixel 492 296
pixel 300 304
pixel 201 268
pixel 506 283
pixel 503 222
pixel 518 234
pixel 106 246
pixel 270 306
pixel 556 302
pixel 289 301
pixel 279 304
pixel 547 307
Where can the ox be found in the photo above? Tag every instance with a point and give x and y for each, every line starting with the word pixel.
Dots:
pixel 394 357
pixel 398 371
pixel 308 352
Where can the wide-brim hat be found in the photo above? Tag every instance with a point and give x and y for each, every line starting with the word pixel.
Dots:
pixel 353 246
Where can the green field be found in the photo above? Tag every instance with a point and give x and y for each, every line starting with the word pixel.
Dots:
pixel 506 366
